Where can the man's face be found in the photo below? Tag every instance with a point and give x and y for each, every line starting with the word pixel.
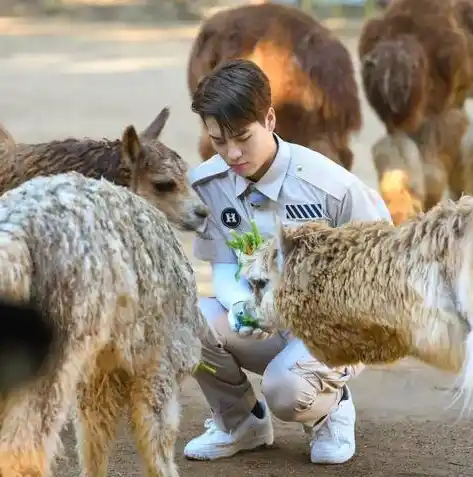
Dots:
pixel 246 151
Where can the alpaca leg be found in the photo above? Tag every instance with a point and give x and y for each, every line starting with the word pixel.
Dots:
pixel 101 400
pixel 467 161
pixel 33 417
pixel 435 186
pixel 155 416
pixel 456 183
pixel 398 164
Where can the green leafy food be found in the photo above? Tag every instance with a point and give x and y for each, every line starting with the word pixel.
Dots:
pixel 248 320
pixel 246 243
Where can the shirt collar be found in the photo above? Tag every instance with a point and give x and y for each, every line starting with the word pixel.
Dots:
pixel 270 184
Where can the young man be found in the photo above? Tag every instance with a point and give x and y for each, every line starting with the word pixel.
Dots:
pixel 254 174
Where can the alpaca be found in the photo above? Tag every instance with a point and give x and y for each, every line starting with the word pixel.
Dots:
pixel 110 324
pixel 371 292
pixel 416 171
pixel 417 66
pixel 141 162
pixel 311 73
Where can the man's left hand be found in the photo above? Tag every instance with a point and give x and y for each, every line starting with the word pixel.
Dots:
pixel 244 330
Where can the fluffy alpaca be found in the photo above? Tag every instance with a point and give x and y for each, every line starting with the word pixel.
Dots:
pixel 311 73
pixel 373 293
pixel 98 272
pixel 416 60
pixel 141 162
pixel 417 70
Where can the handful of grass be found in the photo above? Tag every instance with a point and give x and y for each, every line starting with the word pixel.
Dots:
pixel 248 320
pixel 245 243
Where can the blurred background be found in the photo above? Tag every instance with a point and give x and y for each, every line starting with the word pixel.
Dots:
pixel 90 68
pixel 146 10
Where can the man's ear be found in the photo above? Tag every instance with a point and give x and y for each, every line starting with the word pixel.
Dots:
pixel 271 119
pixel 283 243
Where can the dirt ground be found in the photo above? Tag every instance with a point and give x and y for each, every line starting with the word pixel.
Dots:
pixel 93 80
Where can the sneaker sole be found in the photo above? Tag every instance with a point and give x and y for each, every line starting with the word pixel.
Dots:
pixel 341 460
pixel 248 447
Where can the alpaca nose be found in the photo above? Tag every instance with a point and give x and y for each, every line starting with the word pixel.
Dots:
pixel 201 211
pixel 258 283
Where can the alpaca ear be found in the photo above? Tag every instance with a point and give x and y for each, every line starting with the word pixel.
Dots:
pixel 154 129
pixel 283 243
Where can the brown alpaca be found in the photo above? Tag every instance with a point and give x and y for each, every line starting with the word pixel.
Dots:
pixel 373 293
pixel 311 73
pixel 141 162
pixel 416 65
pixel 415 171
pixel 110 324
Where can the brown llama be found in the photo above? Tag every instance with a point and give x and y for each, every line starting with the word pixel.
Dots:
pixel 416 66
pixel 141 162
pixel 311 73
pixel 110 324
pixel 372 292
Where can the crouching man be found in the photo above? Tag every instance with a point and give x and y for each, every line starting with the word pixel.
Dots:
pixel 254 174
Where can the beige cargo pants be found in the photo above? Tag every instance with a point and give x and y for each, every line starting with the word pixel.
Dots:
pixel 296 387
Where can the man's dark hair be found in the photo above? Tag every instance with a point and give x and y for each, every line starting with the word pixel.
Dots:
pixel 235 93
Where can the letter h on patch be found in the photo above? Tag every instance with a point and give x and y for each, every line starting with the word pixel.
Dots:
pixel 304 211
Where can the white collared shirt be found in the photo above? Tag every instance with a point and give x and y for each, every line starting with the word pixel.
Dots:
pixel 300 185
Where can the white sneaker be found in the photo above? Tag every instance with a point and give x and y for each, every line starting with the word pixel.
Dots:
pixel 334 441
pixel 215 443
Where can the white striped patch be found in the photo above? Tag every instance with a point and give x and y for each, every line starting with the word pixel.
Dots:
pixel 304 211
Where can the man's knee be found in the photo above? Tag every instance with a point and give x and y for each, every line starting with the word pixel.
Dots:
pixel 283 396
pixel 292 398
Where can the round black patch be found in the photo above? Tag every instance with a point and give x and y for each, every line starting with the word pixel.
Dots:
pixel 230 218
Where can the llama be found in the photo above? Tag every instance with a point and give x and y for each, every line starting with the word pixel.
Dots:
pixel 371 292
pixel 141 162
pixel 416 66
pixel 311 73
pixel 99 272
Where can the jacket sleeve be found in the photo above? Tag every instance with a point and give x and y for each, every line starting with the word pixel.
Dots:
pixel 362 203
pixel 227 289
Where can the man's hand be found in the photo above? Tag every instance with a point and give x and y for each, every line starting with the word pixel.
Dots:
pixel 243 323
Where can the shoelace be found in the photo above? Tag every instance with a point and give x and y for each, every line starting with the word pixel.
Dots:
pixel 211 426
pixel 327 430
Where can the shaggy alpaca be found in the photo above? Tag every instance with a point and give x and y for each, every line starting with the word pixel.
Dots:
pixel 100 273
pixel 311 73
pixel 416 65
pixel 371 292
pixel 416 60
pixel 141 162
pixel 415 172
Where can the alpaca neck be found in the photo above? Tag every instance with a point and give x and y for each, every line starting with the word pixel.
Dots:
pixel 439 339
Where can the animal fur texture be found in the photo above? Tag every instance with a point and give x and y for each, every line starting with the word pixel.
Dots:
pixel 141 162
pixel 374 293
pixel 417 71
pixel 311 73
pixel 101 271
pixel 416 171
pixel 417 60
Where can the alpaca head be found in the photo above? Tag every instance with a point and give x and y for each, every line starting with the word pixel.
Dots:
pixel 263 270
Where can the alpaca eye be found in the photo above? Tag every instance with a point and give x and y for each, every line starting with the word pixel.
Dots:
pixel 165 186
